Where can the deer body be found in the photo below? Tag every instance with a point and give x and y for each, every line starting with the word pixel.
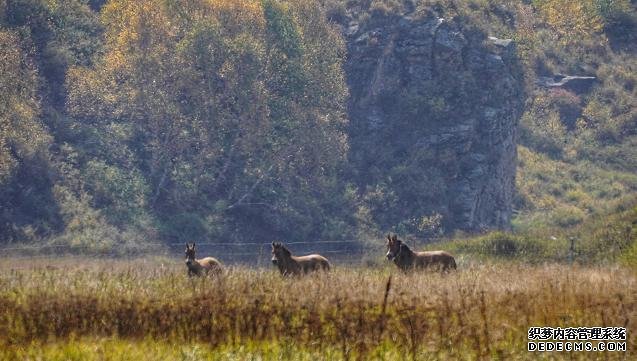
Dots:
pixel 297 265
pixel 405 258
pixel 203 266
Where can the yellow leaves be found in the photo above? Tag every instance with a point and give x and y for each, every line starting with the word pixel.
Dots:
pixel 148 31
pixel 133 24
pixel 241 12
pixel 83 99
pixel 554 125
pixel 19 106
pixel 573 20
pixel 115 60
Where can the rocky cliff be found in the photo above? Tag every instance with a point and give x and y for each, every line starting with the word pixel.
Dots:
pixel 434 107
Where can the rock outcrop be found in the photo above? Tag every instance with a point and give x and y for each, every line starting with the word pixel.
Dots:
pixel 434 109
pixel 575 83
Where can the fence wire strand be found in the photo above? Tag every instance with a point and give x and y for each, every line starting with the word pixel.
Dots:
pixel 257 253
pixel 205 244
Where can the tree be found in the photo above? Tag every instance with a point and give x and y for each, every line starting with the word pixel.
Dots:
pixel 236 110
pixel 21 134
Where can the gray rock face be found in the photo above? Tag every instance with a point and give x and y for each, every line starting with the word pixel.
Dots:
pixel 428 93
pixel 575 83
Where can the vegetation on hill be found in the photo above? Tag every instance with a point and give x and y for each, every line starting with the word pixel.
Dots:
pixel 125 121
pixel 173 121
pixel 605 238
pixel 578 154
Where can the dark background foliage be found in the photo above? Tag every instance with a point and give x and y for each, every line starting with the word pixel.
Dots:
pixel 123 122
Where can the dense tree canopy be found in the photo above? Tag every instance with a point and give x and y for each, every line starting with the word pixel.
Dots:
pixel 161 121
pixel 233 112
pixel 20 132
pixel 194 120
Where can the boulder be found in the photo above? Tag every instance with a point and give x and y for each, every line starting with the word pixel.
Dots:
pixel 575 83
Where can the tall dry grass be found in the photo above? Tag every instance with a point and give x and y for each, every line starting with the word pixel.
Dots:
pixel 478 312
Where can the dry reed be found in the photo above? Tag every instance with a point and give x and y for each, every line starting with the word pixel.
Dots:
pixel 478 312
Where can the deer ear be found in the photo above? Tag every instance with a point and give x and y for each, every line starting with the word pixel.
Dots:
pixel 193 245
pixel 187 246
pixel 388 237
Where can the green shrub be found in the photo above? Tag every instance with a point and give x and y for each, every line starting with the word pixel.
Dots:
pixel 503 245
pixel 567 216
pixel 629 257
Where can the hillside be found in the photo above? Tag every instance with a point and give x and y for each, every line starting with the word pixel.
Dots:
pixel 169 122
pixel 578 155
pixel 128 122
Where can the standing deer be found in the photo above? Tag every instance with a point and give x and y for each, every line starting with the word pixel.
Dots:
pixel 296 265
pixel 406 259
pixel 203 266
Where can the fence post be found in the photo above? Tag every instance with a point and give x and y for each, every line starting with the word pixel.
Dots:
pixel 571 253
pixel 260 256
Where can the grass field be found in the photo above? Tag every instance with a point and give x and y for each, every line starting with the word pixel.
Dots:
pixel 74 309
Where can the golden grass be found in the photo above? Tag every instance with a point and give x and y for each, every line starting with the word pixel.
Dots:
pixel 479 312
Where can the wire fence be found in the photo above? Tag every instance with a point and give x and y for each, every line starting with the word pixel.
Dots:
pixel 247 253
pixel 180 244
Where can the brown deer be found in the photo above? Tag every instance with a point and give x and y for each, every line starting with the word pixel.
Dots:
pixel 406 259
pixel 203 266
pixel 296 265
